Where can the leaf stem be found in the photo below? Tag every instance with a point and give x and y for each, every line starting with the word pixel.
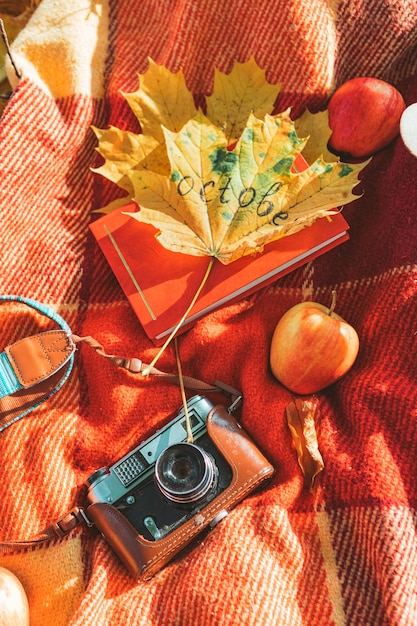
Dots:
pixel 190 438
pixel 147 370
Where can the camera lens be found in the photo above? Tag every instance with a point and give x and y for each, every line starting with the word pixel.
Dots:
pixel 185 473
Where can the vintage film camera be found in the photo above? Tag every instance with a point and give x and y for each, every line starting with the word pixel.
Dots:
pixel 155 500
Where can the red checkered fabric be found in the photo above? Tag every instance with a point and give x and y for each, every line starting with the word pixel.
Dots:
pixel 345 555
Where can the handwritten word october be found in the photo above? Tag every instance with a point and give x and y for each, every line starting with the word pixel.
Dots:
pixel 247 196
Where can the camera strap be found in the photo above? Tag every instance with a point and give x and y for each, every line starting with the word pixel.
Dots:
pixel 57 530
pixel 136 366
pixel 36 367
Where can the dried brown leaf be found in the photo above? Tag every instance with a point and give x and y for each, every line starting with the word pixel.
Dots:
pixel 301 419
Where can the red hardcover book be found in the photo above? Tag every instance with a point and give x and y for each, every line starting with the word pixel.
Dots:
pixel 161 284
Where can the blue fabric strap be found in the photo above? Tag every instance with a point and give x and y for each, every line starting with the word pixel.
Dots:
pixel 9 383
pixel 44 309
pixel 8 379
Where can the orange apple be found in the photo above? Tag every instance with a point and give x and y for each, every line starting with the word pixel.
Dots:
pixel 312 347
pixel 14 607
pixel 364 115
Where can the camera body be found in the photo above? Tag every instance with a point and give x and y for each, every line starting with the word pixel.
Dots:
pixel 155 500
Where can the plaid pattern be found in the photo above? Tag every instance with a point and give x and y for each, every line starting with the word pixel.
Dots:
pixel 346 555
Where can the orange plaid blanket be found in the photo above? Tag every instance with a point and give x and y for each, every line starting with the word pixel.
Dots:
pixel 345 555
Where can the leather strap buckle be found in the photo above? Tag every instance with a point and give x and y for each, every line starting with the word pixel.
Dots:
pixel 64 525
pixel 36 358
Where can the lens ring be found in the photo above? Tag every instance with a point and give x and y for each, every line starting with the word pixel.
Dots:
pixel 185 473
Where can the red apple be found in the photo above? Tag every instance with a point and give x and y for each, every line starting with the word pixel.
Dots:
pixel 364 115
pixel 312 347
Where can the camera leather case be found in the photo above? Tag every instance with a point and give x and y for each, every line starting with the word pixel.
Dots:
pixel 250 469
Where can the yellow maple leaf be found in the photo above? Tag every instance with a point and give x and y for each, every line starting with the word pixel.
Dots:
pixel 238 94
pixel 227 203
pixel 162 100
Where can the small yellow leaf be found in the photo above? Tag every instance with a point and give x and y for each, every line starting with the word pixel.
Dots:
pixel 122 151
pixel 315 126
pixel 301 419
pixel 162 100
pixel 238 94
pixel 125 152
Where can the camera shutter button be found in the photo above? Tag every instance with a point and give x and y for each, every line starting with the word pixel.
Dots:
pixel 218 518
